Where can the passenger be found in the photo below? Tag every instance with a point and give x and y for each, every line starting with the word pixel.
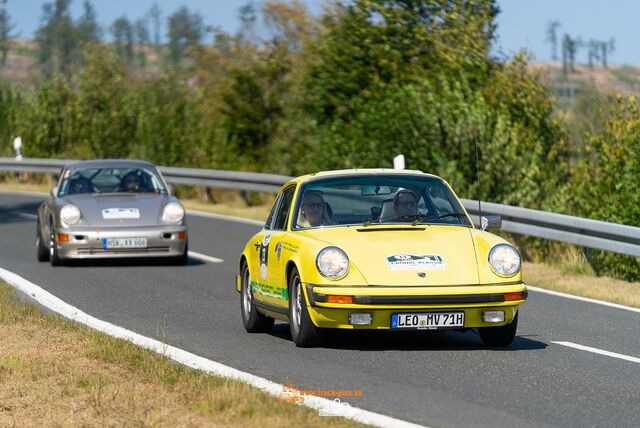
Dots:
pixel 405 203
pixel 130 182
pixel 313 211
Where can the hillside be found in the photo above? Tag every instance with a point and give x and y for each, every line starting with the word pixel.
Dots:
pixel 623 79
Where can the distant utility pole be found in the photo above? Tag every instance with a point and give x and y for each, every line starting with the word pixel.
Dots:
pixel 552 37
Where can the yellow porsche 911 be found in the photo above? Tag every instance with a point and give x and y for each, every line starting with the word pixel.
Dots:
pixel 378 249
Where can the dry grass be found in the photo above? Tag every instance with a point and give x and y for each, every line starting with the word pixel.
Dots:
pixel 57 373
pixel 567 281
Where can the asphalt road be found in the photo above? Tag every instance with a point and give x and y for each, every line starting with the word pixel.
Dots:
pixel 436 379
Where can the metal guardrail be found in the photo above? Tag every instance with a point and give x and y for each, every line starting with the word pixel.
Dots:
pixel 584 232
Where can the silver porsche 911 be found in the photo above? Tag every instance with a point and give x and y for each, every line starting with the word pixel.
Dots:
pixel 111 208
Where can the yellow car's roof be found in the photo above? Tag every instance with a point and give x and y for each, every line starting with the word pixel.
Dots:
pixel 360 171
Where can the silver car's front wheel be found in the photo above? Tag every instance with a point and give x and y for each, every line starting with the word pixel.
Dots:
pixel 54 259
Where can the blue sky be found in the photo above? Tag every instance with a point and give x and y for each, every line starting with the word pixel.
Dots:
pixel 521 23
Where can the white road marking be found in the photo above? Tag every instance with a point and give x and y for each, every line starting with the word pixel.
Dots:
pixel 584 299
pixel 598 351
pixel 225 217
pixel 204 257
pixel 57 305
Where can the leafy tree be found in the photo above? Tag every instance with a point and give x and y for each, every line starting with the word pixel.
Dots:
pixel 56 38
pixel 141 32
pixel 6 27
pixel 185 31
pixel 252 104
pixel 155 15
pixel 367 44
pixel 87 28
pixel 122 31
pixel 606 183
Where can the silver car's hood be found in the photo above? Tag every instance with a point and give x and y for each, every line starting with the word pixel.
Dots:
pixel 119 209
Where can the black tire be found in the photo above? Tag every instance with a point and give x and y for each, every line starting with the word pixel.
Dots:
pixel 499 337
pixel 42 251
pixel 54 259
pixel 254 321
pixel 183 258
pixel 304 333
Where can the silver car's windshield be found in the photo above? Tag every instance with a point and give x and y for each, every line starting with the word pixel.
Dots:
pixel 380 199
pixel 110 180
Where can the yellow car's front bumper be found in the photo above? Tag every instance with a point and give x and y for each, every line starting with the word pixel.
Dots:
pixel 382 302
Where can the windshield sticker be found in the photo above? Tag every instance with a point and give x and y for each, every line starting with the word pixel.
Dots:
pixel 120 213
pixel 413 262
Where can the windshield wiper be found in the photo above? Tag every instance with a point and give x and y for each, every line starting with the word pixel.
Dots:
pixel 415 217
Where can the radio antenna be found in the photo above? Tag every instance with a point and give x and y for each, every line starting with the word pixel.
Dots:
pixel 478 182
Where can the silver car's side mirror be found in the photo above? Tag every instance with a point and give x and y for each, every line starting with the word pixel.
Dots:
pixel 491 222
pixel 54 190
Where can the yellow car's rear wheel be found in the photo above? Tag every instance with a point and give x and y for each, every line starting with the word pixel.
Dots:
pixel 303 331
pixel 254 321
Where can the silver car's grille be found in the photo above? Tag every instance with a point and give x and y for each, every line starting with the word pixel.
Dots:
pixel 123 250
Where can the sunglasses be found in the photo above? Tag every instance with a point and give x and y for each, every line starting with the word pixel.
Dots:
pixel 314 205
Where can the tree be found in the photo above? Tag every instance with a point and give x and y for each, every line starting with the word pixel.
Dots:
pixel 56 38
pixel 6 27
pixel 155 14
pixel 594 52
pixel 248 18
pixel 87 28
pixel 122 31
pixel 141 32
pixel 552 37
pixel 185 31
pixel 605 49
pixel 368 44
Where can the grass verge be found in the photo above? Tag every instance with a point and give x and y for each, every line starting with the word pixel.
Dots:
pixel 54 372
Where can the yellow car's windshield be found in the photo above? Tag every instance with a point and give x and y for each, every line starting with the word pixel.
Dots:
pixel 376 199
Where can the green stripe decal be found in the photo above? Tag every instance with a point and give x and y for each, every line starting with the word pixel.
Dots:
pixel 269 290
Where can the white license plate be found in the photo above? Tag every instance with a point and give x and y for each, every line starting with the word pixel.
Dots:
pixel 124 243
pixel 428 321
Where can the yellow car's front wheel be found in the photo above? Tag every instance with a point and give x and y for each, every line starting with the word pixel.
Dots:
pixel 303 332
pixel 499 336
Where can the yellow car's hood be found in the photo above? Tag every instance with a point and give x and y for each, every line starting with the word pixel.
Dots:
pixel 407 255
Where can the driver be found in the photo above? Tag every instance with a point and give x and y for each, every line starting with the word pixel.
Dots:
pixel 81 185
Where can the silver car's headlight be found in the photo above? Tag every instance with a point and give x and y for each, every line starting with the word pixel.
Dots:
pixel 70 214
pixel 504 260
pixel 332 262
pixel 173 213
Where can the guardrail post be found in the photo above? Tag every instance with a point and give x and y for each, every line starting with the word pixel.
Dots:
pixel 588 254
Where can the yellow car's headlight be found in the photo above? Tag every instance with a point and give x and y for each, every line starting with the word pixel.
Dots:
pixel 333 263
pixel 504 260
pixel 70 214
pixel 173 213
